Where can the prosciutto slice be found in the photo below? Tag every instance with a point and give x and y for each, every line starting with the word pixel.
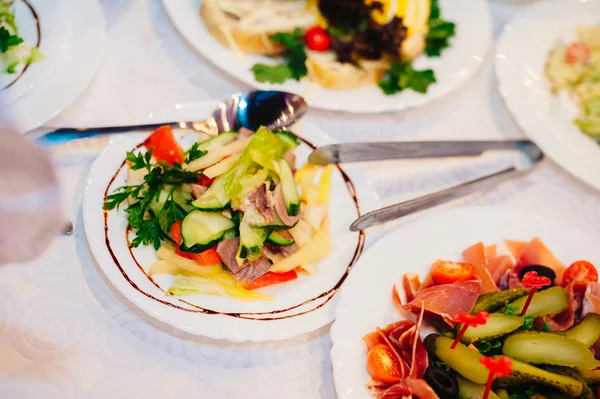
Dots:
pixel 565 319
pixel 475 255
pixel 411 283
pixel 446 300
pixel 591 301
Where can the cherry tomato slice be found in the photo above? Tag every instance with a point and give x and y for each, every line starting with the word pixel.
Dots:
pixel 206 258
pixel 175 232
pixel 448 272
pixel 317 39
pixel 205 181
pixel 580 272
pixel 164 146
pixel 271 279
pixel 577 53
pixel 383 365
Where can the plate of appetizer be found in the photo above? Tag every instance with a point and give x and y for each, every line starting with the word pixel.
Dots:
pixel 232 237
pixel 49 53
pixel 548 69
pixel 471 310
pixel 356 56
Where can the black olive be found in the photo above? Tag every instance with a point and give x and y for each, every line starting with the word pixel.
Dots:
pixel 442 382
pixel 541 271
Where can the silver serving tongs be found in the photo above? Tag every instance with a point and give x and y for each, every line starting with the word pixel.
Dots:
pixel 358 152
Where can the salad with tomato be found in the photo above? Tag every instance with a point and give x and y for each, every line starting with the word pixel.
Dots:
pixel 228 216
pixel 506 321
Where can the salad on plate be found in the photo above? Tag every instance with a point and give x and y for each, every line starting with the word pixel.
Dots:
pixel 15 53
pixel 336 44
pixel 230 215
pixel 574 68
pixel 507 321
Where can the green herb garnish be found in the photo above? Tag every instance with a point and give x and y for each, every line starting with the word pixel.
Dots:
pixel 511 310
pixel 488 347
pixel 440 32
pixel 403 76
pixel 151 226
pixel 295 57
pixel 194 153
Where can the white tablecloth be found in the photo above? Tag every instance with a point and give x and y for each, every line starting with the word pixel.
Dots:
pixel 66 333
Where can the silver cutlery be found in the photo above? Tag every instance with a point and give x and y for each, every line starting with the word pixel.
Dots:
pixel 273 109
pixel 357 152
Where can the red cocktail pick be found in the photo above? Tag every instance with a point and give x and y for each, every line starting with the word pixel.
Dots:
pixel 498 368
pixel 467 321
pixel 532 281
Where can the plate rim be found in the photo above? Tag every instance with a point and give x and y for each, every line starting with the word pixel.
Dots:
pixel 252 333
pixel 337 349
pixel 474 64
pixel 505 80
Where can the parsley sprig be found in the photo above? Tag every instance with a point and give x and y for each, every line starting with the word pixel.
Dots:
pixel 149 222
pixel 403 76
pixel 294 66
pixel 440 32
pixel 194 153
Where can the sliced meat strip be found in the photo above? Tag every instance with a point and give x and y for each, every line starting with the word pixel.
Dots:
pixel 290 157
pixel 446 300
pixel 475 255
pixel 253 270
pixel 420 388
pixel 227 250
pixel 498 266
pixel 591 302
pixel 264 204
pixel 411 284
pixel 537 253
pixel 565 319
pixel 244 133
pixel 198 190
pixel 397 391
pixel 282 210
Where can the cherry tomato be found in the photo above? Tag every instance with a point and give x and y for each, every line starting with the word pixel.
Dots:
pixel 206 258
pixel 205 181
pixel 383 365
pixel 580 272
pixel 447 272
pixel 317 39
pixel 577 53
pixel 271 279
pixel 164 146
pixel 175 232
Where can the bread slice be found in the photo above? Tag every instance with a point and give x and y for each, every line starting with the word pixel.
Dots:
pixel 327 72
pixel 246 25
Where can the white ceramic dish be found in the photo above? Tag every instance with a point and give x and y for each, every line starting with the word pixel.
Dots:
pixel 40 25
pixel 311 300
pixel 548 120
pixel 365 300
pixel 77 27
pixel 453 69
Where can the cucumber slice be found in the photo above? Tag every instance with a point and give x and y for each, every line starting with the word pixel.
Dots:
pixel 214 199
pixel 288 188
pixel 497 325
pixel 586 332
pixel 252 240
pixel 289 139
pixel 202 230
pixel 494 301
pixel 231 233
pixel 276 238
pixel 550 301
pixel 466 362
pixel 158 202
pixel 546 348
pixel 218 141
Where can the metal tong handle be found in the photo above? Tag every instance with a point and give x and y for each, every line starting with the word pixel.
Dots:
pixel 405 208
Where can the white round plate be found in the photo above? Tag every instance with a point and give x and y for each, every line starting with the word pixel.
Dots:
pixel 40 25
pixel 311 300
pixel 366 300
pixel 454 68
pixel 520 60
pixel 71 62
